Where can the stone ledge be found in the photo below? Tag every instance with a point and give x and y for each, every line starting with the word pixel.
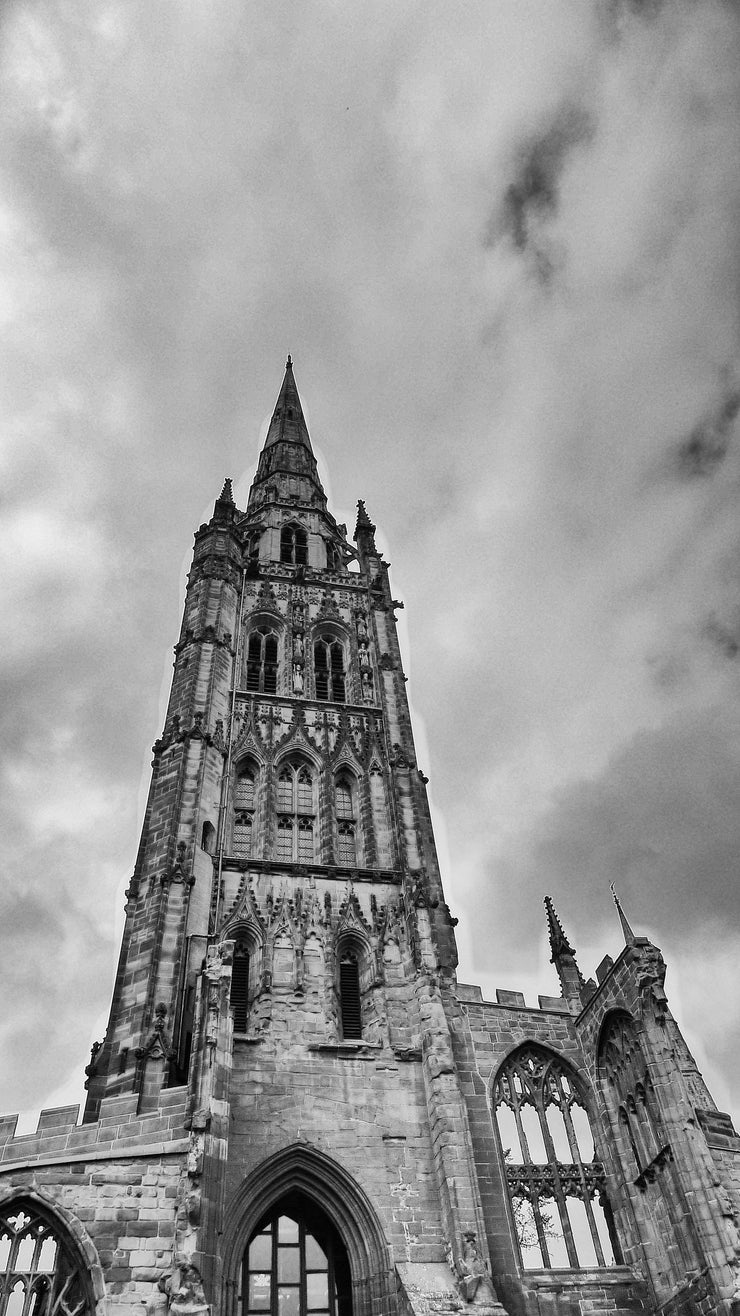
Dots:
pixel 348 1050
pixel 567 1278
pixel 113 1152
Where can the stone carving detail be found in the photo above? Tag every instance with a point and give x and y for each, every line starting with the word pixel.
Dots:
pixel 178 873
pixel 180 1293
pixel 471 1268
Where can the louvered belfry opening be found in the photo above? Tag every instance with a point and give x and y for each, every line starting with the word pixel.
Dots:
pixel 239 999
pixel 349 995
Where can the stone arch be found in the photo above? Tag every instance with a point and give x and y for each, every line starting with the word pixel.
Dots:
pixel 544 1113
pixel 71 1232
pixel 304 1169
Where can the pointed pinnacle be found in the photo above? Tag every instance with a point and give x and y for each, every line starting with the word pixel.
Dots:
pixel 559 944
pixel 288 423
pixel 629 936
pixel 226 495
pixel 363 520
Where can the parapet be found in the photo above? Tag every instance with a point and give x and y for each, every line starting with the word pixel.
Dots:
pixel 119 1130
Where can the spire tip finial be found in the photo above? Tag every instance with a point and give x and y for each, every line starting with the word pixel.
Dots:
pixel 289 362
pixel 629 936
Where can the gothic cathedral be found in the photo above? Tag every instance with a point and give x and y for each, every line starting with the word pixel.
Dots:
pixel 297 1110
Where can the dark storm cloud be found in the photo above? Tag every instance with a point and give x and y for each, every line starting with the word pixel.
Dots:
pixel 531 199
pixel 188 195
pixel 706 446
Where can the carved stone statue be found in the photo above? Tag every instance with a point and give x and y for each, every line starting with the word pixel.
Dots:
pixel 472 1268
pixel 188 1299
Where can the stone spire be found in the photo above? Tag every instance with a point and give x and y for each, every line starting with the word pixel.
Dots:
pixel 629 936
pixel 563 957
pixel 364 531
pixel 287 472
pixel 288 423
pixel 224 510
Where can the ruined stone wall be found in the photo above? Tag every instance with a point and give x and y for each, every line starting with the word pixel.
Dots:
pixel 113 1187
pixel 484 1033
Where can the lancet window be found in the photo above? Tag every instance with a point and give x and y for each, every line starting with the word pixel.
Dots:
pixel 350 1004
pixel 239 998
pixel 556 1187
pixel 346 813
pixel 296 813
pixel 38 1273
pixel 295 1265
pixel 245 799
pixel 293 545
pixel 329 668
pixel 332 556
pixel 262 661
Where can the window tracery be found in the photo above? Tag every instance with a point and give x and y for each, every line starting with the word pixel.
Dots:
pixel 38 1274
pixel 293 545
pixel 344 800
pixel 262 661
pixel 556 1187
pixel 625 1070
pixel 295 1264
pixel 245 797
pixel 329 668
pixel 296 809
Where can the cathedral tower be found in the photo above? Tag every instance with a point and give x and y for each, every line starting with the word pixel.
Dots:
pixel 297 1110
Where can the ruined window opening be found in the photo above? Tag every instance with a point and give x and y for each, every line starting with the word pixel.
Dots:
pixel 328 663
pixel 208 838
pixel 295 1264
pixel 293 545
pixel 262 661
pixel 556 1188
pixel 239 997
pixel 349 996
pixel 38 1274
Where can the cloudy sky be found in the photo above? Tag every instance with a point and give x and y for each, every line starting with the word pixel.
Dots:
pixel 501 242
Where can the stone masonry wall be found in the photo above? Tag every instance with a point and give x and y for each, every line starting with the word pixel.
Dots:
pixel 484 1034
pixel 113 1183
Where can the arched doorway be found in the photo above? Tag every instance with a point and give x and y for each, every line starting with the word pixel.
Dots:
pixel 295 1264
pixel 325 1201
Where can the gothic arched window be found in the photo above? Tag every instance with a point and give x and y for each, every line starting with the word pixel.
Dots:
pixel 239 997
pixel 328 667
pixel 38 1273
pixel 296 813
pixel 252 544
pixel 293 545
pixel 295 1264
pixel 262 661
pixel 556 1188
pixel 623 1066
pixel 345 805
pixel 333 561
pixel 245 797
pixel 350 1003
